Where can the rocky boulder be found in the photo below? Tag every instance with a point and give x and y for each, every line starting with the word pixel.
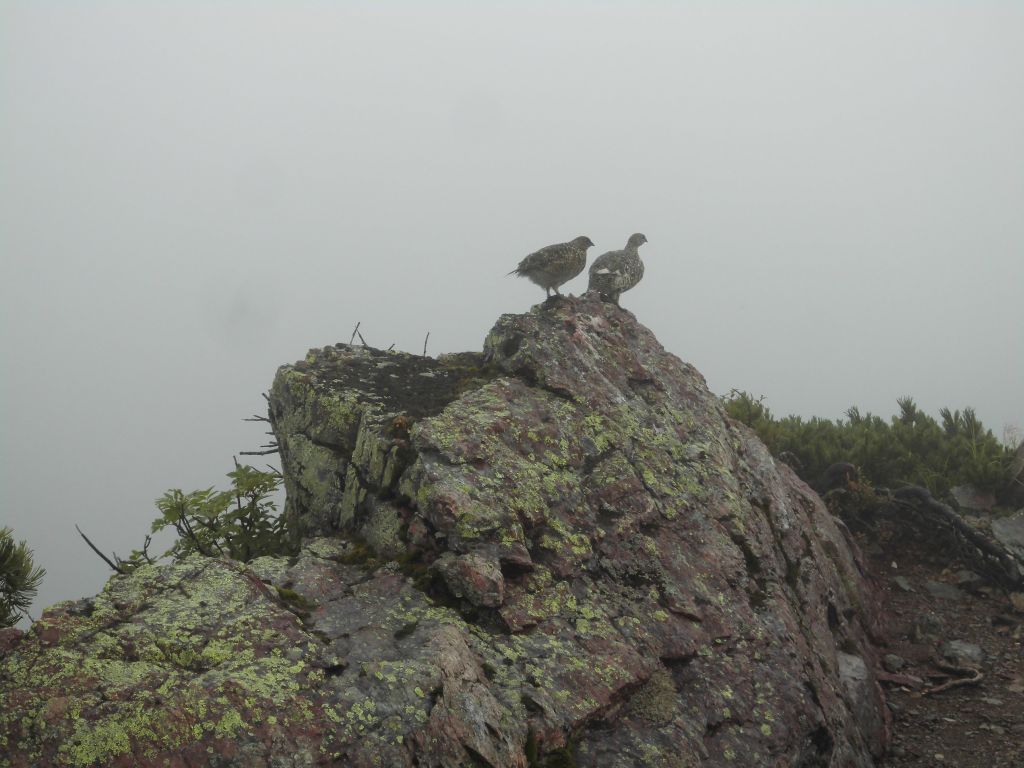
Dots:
pixel 559 551
pixel 1009 532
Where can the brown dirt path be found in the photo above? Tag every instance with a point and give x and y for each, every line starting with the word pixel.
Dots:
pixel 970 726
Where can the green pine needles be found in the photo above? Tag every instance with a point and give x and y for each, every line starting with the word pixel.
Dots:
pixel 19 578
pixel 911 448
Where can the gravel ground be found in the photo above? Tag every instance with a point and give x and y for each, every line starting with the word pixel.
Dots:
pixel 931 600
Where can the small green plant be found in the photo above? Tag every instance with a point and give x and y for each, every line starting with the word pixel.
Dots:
pixel 19 578
pixel 240 523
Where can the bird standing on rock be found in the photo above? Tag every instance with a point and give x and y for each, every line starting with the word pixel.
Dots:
pixel 617 271
pixel 554 265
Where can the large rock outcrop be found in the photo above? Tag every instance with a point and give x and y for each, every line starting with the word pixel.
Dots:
pixel 560 551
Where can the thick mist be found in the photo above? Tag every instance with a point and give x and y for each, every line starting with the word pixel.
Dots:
pixel 193 194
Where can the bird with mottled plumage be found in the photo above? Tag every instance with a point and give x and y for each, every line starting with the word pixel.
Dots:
pixel 614 272
pixel 555 265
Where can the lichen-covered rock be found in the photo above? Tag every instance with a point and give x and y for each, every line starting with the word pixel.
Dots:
pixel 342 417
pixel 160 667
pixel 561 550
pixel 474 577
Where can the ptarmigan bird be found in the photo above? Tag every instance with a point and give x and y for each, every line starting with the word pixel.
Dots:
pixel 617 271
pixel 554 265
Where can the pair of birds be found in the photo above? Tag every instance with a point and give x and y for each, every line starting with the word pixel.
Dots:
pixel 611 273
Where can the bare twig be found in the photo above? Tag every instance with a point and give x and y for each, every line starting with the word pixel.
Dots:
pixel 257 417
pixel 976 677
pixel 271 447
pixel 93 547
pixel 390 348
pixel 354 332
pixel 265 396
pixel 425 340
pixel 361 338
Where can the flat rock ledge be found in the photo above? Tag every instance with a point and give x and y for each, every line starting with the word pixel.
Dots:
pixel 558 552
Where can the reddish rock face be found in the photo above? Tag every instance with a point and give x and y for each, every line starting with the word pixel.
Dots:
pixel 561 548
pixel 585 486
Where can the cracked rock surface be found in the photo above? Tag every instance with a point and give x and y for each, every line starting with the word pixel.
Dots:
pixel 560 549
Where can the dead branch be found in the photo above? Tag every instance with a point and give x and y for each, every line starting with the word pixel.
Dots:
pixel 260 453
pixel 425 340
pixel 354 332
pixel 95 549
pixel 909 681
pixel 991 558
pixel 976 676
pixel 257 417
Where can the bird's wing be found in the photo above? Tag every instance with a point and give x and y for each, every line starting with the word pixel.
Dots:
pixel 605 264
pixel 543 256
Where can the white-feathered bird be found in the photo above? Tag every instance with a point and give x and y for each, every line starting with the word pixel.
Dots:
pixel 617 271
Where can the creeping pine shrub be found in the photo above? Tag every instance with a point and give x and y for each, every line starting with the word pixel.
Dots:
pixel 911 448
pixel 240 523
pixel 19 578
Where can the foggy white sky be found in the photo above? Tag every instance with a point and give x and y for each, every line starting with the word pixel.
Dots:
pixel 193 194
